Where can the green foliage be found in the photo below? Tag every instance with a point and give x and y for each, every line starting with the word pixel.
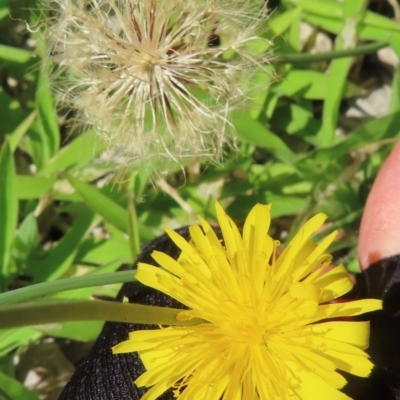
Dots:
pixel 65 212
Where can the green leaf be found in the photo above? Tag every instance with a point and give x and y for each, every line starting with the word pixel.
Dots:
pixel 371 27
pixel 47 119
pixel 379 21
pixel 354 8
pixel 12 113
pixel 84 331
pixel 32 187
pixel 338 71
pixel 111 211
pixel 11 389
pixel 312 85
pixel 80 151
pixel 14 54
pixel 282 22
pixel 61 256
pixel 253 132
pixel 374 131
pixel 8 211
pixel 327 8
pixel 94 251
pixel 395 99
pixel 295 120
pixel 395 43
pixel 11 339
pixel 3 10
pixel 133 229
pixel 49 288
pixel 25 240
pixel 15 137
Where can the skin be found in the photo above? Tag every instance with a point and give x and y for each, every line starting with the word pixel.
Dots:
pixel 380 225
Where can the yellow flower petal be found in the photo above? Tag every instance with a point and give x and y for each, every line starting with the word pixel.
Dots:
pixel 269 331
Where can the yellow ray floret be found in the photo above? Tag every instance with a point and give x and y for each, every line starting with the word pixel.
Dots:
pixel 269 331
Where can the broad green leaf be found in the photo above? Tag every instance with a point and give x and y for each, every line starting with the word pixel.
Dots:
pixel 94 251
pixel 367 32
pixel 395 99
pixel 282 22
pixel 47 117
pixel 338 71
pixel 111 211
pixel 311 85
pixel 133 229
pixel 258 93
pixel 374 131
pixel 379 21
pixel 8 210
pixel 295 120
pixel 139 182
pixel 354 8
pixel 3 11
pixel 381 29
pixel 14 390
pixel 14 54
pixel 324 22
pixel 327 8
pixel 13 114
pixel 15 137
pixel 80 151
pixel 11 339
pixel 62 255
pixel 294 35
pixel 395 43
pixel 32 187
pixel 39 145
pixel 85 331
pixel 26 238
pixel 253 132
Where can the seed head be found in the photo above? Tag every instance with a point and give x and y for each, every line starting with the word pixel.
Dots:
pixel 155 78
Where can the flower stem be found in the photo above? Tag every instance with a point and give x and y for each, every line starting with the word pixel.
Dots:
pixel 47 288
pixel 329 55
pixel 45 312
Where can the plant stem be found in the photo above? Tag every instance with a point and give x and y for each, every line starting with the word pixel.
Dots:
pixel 329 55
pixel 51 287
pixel 49 312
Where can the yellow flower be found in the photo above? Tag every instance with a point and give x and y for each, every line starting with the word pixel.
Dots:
pixel 269 330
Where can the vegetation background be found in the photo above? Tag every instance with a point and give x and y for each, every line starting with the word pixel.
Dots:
pixel 313 141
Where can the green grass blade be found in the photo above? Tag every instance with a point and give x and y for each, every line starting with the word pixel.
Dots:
pixel 47 117
pixel 339 69
pixel 61 256
pixel 47 288
pixel 133 229
pixel 111 211
pixel 8 211
pixel 32 187
pixel 11 389
pixel 254 132
pixel 19 132
pixel 81 150
pixel 14 54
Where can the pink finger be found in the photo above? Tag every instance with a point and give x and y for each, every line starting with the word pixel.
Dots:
pixel 380 225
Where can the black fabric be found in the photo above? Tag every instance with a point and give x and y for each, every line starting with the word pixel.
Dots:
pixel 104 376
pixel 381 281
